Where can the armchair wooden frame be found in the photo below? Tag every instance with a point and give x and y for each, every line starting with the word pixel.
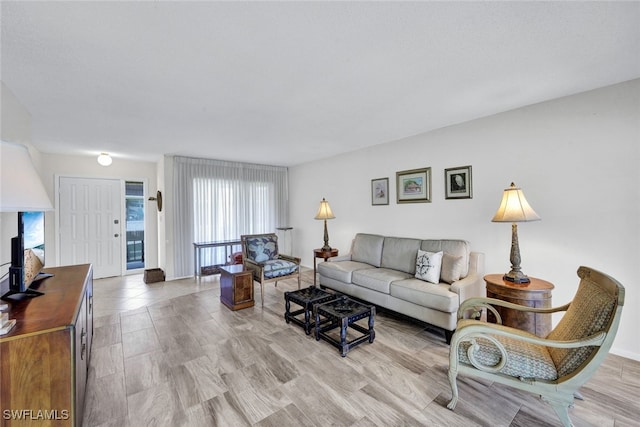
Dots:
pixel 257 268
pixel 558 393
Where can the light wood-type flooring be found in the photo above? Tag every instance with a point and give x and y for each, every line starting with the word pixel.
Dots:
pixel 170 354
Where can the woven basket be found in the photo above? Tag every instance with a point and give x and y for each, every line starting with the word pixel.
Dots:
pixel 153 275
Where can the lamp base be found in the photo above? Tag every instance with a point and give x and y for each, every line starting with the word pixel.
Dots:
pixel 516 277
pixel 326 248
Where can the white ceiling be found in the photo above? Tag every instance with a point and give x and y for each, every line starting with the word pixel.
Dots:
pixel 290 82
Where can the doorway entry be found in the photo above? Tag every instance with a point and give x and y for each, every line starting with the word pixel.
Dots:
pixel 90 226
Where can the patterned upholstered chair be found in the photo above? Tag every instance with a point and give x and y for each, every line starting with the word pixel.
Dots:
pixel 553 367
pixel 260 255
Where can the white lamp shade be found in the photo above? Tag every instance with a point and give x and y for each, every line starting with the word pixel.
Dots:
pixel 21 189
pixel 514 207
pixel 324 211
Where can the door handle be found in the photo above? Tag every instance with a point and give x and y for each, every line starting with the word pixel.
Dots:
pixel 116 235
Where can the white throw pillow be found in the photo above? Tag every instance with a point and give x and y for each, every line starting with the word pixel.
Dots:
pixel 428 265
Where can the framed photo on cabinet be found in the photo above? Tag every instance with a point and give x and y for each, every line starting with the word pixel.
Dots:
pixel 413 186
pixel 380 191
pixel 458 183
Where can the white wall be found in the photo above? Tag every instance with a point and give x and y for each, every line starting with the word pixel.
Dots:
pixel 15 126
pixel 575 158
pixel 55 165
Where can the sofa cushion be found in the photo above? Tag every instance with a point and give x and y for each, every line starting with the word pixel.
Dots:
pixel 400 254
pixel 341 270
pixel 451 268
pixel 452 247
pixel 377 279
pixel 367 248
pixel 428 265
pixel 426 294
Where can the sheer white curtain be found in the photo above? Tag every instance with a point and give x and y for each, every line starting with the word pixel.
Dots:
pixel 218 200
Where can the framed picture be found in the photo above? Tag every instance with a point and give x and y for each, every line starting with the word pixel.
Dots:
pixel 457 183
pixel 414 186
pixel 380 191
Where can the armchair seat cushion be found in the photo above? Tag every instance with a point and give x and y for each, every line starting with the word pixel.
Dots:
pixel 278 267
pixel 525 360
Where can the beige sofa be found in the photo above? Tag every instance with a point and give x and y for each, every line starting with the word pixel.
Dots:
pixel 381 270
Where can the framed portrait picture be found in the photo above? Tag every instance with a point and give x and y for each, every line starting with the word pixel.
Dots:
pixel 380 191
pixel 457 183
pixel 414 186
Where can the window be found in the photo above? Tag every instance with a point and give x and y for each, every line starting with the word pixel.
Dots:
pixel 217 200
pixel 134 202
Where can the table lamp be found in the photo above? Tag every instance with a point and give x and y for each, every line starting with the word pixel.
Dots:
pixel 515 208
pixel 21 190
pixel 324 212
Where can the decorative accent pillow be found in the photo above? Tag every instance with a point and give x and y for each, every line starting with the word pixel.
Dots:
pixel 428 265
pixel 451 268
pixel 263 248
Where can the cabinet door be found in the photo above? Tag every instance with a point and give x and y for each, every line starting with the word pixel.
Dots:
pixel 243 288
pixel 81 354
pixel 89 296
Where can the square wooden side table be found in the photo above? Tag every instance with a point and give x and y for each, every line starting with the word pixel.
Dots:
pixel 236 287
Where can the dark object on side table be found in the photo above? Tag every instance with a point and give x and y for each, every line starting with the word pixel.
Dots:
pixel 305 298
pixel 344 312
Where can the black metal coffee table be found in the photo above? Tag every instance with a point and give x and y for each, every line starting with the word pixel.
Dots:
pixel 343 312
pixel 306 298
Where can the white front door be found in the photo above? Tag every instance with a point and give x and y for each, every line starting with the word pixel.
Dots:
pixel 90 224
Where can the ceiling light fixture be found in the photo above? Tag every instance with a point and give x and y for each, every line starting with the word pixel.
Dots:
pixel 105 159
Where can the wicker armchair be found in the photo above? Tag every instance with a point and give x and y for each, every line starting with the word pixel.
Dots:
pixel 260 255
pixel 553 367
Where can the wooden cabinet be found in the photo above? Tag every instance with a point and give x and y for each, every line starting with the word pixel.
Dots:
pixel 537 294
pixel 45 357
pixel 236 287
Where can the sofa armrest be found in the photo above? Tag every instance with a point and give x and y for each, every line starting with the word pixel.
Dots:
pixel 470 287
pixel 473 285
pixel 476 264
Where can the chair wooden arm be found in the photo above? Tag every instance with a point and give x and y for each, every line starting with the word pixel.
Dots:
pixel 290 258
pixel 476 304
pixel 250 261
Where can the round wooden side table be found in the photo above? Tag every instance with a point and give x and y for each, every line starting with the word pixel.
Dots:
pixel 537 294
